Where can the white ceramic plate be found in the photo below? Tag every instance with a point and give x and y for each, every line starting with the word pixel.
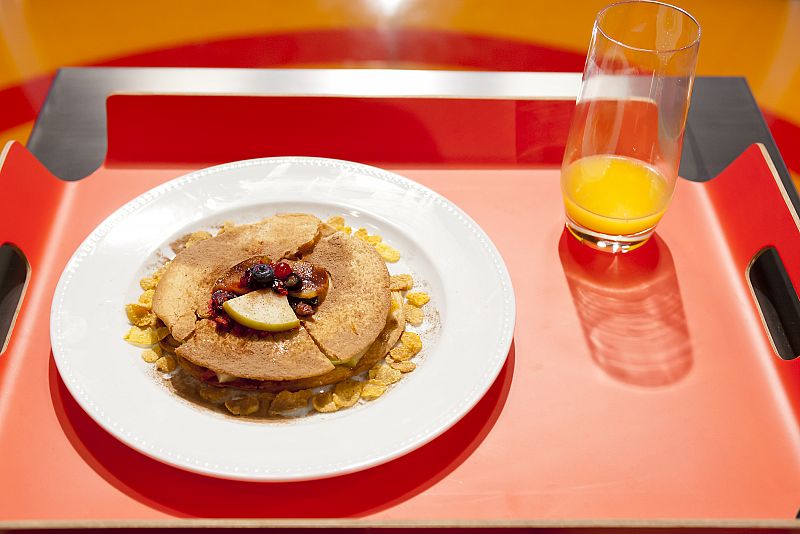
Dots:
pixel 467 332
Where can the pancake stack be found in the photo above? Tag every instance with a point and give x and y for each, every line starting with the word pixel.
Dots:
pixel 351 329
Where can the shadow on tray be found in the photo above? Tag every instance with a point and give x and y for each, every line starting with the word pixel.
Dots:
pixel 631 311
pixel 187 494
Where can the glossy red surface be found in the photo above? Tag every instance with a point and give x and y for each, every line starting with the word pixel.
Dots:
pixel 637 387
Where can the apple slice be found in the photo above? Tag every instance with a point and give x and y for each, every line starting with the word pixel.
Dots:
pixel 262 310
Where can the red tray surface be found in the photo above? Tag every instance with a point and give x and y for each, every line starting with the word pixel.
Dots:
pixel 694 417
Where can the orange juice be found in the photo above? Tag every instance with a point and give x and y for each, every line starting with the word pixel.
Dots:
pixel 614 195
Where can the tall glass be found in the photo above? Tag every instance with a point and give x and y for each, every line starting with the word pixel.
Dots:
pixel 625 140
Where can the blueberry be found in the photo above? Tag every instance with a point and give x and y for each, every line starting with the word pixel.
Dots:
pixel 261 275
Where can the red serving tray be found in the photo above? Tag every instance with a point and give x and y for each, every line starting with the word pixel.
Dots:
pixel 694 418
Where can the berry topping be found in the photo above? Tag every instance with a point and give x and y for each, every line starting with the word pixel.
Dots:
pixel 261 275
pixel 293 282
pixel 279 287
pixel 302 309
pixel 217 298
pixel 282 270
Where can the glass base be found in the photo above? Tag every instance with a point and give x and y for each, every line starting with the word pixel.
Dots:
pixel 608 243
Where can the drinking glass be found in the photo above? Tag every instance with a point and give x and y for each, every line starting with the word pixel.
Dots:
pixel 624 147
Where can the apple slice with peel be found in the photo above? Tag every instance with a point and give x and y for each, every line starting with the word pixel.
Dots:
pixel 262 310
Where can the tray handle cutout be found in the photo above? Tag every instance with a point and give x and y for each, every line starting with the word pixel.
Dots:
pixel 31 200
pixel 15 271
pixel 777 302
pixel 757 215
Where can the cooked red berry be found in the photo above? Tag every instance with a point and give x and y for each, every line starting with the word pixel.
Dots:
pixel 208 375
pixel 279 287
pixel 218 298
pixel 303 309
pixel 282 270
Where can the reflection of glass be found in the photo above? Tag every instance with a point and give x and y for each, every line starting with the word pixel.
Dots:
pixel 624 146
pixel 630 310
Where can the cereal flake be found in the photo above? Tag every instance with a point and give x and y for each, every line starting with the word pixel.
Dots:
pixel 414 315
pixel 388 253
pixel 418 298
pixel 401 282
pixel 347 393
pixel 242 406
pixel 372 390
pixel 324 402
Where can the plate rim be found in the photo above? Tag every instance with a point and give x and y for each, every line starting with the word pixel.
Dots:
pixel 443 423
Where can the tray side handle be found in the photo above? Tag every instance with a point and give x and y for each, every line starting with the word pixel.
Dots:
pixel 29 208
pixel 763 229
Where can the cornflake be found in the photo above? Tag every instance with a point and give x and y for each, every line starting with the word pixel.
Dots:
pixel 414 315
pixel 265 396
pixel 337 222
pixel 148 283
pixel 400 353
pixel 403 367
pixel 242 406
pixel 387 253
pixel 212 394
pixel 384 374
pixel 372 390
pixel 139 315
pixel 145 336
pixel 151 355
pixel 418 298
pixel 166 364
pixel 401 282
pixel 412 342
pixel 146 298
pixel 361 233
pixel 373 239
pixel 286 401
pixel 347 393
pixel 265 399
pixel 324 403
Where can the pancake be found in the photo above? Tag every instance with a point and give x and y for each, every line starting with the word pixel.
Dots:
pixel 395 325
pixel 352 321
pixel 280 356
pixel 355 309
pixel 183 292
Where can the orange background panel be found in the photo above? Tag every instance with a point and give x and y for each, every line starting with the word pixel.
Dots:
pixel 740 38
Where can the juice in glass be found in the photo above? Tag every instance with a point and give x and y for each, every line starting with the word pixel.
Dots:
pixel 614 195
